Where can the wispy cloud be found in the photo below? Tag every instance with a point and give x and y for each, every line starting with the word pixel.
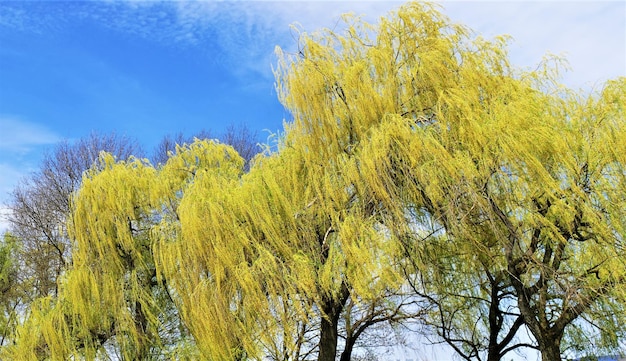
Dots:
pixel 590 35
pixel 10 174
pixel 20 150
pixel 4 224
pixel 19 137
pixel 241 35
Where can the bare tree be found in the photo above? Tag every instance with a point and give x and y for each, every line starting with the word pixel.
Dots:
pixel 243 139
pixel 168 144
pixel 371 324
pixel 11 292
pixel 40 203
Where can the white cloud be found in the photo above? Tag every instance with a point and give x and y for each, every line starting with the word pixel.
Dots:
pixel 20 148
pixel 19 137
pixel 241 35
pixel 590 35
pixel 4 224
pixel 9 177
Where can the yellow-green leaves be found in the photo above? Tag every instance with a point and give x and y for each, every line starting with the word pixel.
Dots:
pixel 417 158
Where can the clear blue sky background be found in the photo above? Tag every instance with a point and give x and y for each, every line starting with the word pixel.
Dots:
pixel 147 69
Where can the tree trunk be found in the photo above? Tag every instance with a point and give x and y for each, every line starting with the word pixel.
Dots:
pixel 550 349
pixel 346 355
pixel 493 355
pixel 141 324
pixel 328 337
pixel 331 311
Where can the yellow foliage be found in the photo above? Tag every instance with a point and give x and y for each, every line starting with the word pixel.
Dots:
pixel 408 138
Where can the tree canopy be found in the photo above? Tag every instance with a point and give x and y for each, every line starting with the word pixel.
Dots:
pixel 422 179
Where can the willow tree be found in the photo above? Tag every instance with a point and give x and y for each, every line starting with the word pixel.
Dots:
pixel 12 291
pixel 303 212
pixel 430 133
pixel 109 301
pixel 526 184
pixel 273 258
pixel 344 89
pixel 243 139
pixel 404 134
pixel 40 206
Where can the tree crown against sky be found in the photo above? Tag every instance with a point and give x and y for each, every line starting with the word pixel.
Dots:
pixel 402 141
pixel 146 69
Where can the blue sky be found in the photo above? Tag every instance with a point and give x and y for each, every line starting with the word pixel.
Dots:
pixel 147 69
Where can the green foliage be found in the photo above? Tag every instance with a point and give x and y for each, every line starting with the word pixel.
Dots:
pixel 11 291
pixel 417 159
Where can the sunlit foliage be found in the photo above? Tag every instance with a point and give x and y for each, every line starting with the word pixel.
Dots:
pixel 418 163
